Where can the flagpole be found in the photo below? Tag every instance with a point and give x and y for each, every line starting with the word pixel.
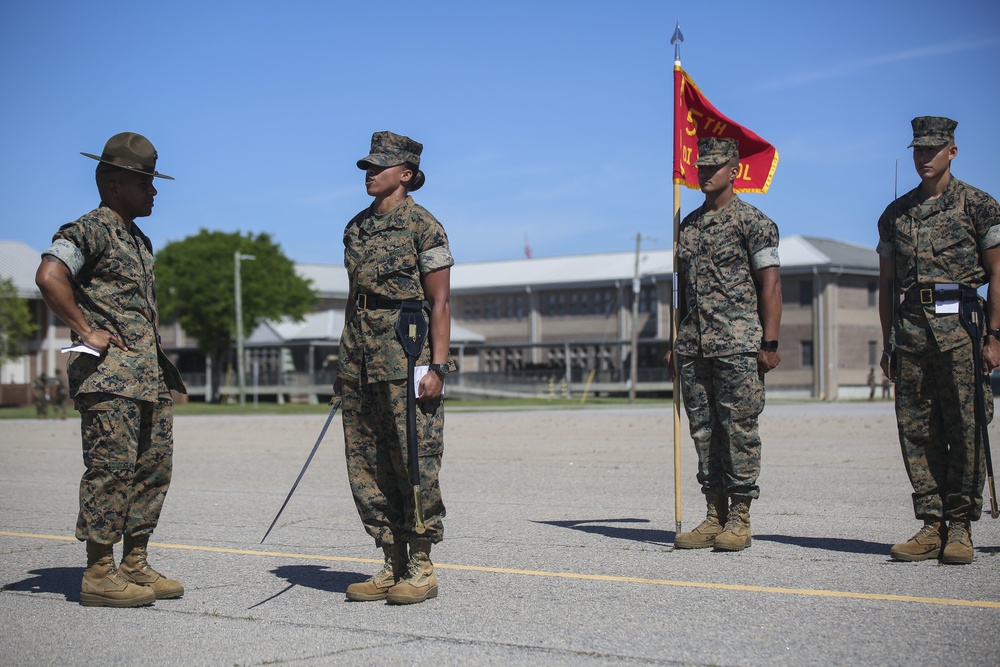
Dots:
pixel 676 40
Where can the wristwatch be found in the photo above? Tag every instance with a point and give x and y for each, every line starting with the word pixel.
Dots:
pixel 440 369
pixel 994 332
pixel 769 345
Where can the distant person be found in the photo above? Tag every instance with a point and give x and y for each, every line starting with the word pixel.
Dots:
pixel 886 388
pixel 939 243
pixel 59 395
pixel 40 389
pixel 727 340
pixel 397 258
pixel 871 384
pixel 97 277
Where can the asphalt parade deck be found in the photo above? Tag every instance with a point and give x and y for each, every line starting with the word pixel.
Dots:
pixel 558 551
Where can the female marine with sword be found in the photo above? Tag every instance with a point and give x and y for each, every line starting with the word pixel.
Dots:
pixel 398 317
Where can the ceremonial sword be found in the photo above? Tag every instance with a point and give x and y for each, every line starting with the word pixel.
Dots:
pixel 336 405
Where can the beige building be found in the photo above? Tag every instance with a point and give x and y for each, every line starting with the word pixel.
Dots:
pixel 560 324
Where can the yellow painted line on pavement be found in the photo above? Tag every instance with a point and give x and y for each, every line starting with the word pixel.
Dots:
pixel 988 604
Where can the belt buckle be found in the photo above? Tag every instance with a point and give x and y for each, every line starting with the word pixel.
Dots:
pixel 362 302
pixel 926 296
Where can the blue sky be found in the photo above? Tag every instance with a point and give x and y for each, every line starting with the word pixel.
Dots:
pixel 550 120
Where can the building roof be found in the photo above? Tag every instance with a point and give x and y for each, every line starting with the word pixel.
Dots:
pixel 326 326
pixel 19 261
pixel 798 253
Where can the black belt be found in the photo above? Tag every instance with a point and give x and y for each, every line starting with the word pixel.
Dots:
pixel 926 295
pixel 374 302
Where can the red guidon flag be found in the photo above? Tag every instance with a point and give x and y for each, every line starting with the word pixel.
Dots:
pixel 695 118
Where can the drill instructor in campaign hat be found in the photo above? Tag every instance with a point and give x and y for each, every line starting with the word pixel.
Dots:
pixel 97 277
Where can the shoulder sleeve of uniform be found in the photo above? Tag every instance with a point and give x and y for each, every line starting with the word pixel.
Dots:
pixel 433 251
pixel 762 239
pixel 985 213
pixel 78 241
pixel 887 232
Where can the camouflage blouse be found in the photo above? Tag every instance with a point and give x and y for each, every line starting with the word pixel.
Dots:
pixel 112 274
pixel 386 256
pixel 937 241
pixel 717 257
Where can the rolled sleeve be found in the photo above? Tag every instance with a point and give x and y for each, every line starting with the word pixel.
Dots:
pixel 764 259
pixel 435 259
pixel 992 238
pixel 67 253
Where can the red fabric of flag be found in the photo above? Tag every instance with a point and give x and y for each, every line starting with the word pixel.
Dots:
pixel 695 118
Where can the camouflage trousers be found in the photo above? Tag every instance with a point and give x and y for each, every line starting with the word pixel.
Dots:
pixel 723 397
pixel 128 453
pixel 374 417
pixel 935 412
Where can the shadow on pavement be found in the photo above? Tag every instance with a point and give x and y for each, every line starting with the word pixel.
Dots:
pixel 313 576
pixel 59 580
pixel 829 544
pixel 663 538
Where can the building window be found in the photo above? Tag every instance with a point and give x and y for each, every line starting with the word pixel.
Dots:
pixel 807 354
pixel 873 353
pixel 872 294
pixel 806 293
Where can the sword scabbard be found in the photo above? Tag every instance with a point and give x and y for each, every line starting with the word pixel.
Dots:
pixel 418 512
pixel 994 511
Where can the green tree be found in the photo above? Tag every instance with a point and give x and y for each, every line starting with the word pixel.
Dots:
pixel 16 323
pixel 194 285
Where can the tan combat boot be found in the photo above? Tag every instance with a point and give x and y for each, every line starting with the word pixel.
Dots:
pixel 924 545
pixel 704 535
pixel 736 534
pixel 420 581
pixel 377 587
pixel 136 569
pixel 958 550
pixel 103 586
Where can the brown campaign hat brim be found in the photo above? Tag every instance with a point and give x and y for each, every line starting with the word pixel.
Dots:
pixel 127 165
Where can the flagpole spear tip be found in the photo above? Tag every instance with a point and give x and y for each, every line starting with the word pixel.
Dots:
pixel 676 40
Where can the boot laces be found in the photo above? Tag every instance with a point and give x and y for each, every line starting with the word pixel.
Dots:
pixel 957 532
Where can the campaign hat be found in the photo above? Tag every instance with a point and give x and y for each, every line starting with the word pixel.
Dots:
pixel 130 151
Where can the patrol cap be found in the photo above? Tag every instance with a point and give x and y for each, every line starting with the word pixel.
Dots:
pixel 390 149
pixel 131 151
pixel 713 151
pixel 932 131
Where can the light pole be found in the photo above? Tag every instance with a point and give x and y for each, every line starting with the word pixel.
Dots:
pixel 238 289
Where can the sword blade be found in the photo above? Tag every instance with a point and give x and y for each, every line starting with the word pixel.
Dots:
pixel 326 426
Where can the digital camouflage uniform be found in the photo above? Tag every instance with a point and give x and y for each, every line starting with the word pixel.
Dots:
pixel 41 390
pixel 123 395
pixel 719 338
pixel 59 396
pixel 385 256
pixel 939 241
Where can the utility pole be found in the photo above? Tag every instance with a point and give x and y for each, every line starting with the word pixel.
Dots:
pixel 636 286
pixel 238 298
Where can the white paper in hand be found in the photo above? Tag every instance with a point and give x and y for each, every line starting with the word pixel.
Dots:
pixel 418 373
pixel 82 347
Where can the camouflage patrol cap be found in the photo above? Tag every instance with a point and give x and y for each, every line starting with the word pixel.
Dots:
pixel 712 151
pixel 390 149
pixel 130 151
pixel 932 131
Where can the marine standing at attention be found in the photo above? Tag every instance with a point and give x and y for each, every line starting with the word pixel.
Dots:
pixel 97 277
pixel 727 339
pixel 938 244
pixel 398 261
